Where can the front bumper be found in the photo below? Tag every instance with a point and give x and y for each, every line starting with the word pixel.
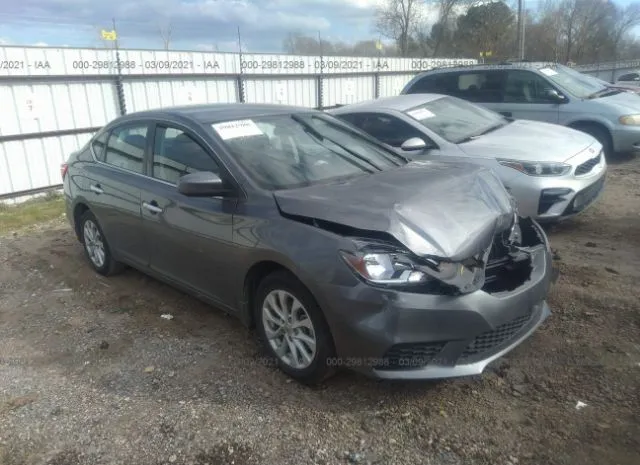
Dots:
pixel 549 199
pixel 626 138
pixel 401 335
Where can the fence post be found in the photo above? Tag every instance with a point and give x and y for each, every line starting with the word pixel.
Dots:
pixel 240 85
pixel 376 85
pixel 319 94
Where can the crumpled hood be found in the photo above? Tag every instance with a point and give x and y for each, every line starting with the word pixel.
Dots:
pixel 529 141
pixel 445 210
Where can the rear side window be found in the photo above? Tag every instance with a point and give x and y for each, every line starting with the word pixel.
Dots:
pixel 98 145
pixel 629 77
pixel 480 86
pixel 428 84
pixel 474 86
pixel 126 146
pixel 386 128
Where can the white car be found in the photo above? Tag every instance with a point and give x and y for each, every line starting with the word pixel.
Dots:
pixel 553 172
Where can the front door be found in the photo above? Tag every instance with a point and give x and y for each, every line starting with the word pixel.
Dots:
pixel 525 97
pixel 190 238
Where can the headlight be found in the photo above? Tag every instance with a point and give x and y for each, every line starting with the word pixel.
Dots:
pixel 630 120
pixel 385 268
pixel 533 168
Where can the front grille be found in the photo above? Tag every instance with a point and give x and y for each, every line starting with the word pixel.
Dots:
pixel 413 355
pixel 505 271
pixel 588 165
pixel 585 197
pixel 492 339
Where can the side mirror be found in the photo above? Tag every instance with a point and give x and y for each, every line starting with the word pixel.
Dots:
pixel 555 96
pixel 414 144
pixel 202 184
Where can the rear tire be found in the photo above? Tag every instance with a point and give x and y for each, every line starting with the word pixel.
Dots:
pixel 292 328
pixel 96 247
pixel 600 134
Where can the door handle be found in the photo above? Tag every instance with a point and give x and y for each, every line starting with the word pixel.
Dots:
pixel 96 188
pixel 508 114
pixel 152 207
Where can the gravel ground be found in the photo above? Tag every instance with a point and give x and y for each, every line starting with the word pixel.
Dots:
pixel 91 374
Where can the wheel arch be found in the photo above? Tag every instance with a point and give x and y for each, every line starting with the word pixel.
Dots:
pixel 79 209
pixel 254 275
pixel 581 124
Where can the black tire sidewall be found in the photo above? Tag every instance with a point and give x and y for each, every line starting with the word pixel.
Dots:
pixel 601 135
pixel 321 367
pixel 108 264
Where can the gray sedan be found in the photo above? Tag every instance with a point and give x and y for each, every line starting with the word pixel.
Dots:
pixel 554 172
pixel 317 235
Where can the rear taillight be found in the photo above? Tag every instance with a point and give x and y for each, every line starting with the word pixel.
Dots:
pixel 63 170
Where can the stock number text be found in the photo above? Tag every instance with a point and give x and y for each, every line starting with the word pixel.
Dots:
pixel 102 64
pixel 272 64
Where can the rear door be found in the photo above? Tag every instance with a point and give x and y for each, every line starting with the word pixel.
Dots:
pixel 190 238
pixel 113 188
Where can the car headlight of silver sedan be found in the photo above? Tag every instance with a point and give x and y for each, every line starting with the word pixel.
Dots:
pixel 630 120
pixel 535 168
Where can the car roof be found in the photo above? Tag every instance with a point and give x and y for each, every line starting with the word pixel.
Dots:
pixel 398 103
pixel 489 66
pixel 214 112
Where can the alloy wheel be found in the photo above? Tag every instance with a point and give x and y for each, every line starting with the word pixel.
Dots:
pixel 94 243
pixel 289 329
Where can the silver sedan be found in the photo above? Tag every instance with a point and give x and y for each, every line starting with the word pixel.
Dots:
pixel 553 172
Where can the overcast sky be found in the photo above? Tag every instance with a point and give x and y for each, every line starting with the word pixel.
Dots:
pixel 196 24
pixel 202 24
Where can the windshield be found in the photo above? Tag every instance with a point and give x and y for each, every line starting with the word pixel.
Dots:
pixel 456 120
pixel 572 81
pixel 296 150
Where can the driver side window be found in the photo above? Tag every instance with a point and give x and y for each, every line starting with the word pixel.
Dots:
pixel 526 87
pixel 388 129
pixel 176 153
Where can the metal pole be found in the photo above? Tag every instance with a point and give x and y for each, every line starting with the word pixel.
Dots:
pixel 521 28
pixel 119 86
pixel 241 95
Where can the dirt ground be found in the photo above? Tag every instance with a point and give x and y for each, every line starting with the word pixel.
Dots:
pixel 91 374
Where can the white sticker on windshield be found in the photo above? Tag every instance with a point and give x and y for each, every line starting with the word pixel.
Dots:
pixel 421 113
pixel 548 72
pixel 239 128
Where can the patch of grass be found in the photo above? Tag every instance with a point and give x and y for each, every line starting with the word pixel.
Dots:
pixel 30 212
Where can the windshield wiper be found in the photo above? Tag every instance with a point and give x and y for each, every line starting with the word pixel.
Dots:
pixel 315 133
pixel 481 133
pixel 606 92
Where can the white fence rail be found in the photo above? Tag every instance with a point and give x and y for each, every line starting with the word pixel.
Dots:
pixel 54 99
pixel 609 71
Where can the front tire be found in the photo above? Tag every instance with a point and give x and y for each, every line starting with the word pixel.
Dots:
pixel 601 135
pixel 96 247
pixel 292 328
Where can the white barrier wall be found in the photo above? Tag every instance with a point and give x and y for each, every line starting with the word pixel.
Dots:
pixel 53 99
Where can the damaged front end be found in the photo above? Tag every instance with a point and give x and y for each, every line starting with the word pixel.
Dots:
pixel 504 265
pixel 441 228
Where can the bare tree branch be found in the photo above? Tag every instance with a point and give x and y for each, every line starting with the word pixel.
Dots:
pixel 398 20
pixel 165 32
